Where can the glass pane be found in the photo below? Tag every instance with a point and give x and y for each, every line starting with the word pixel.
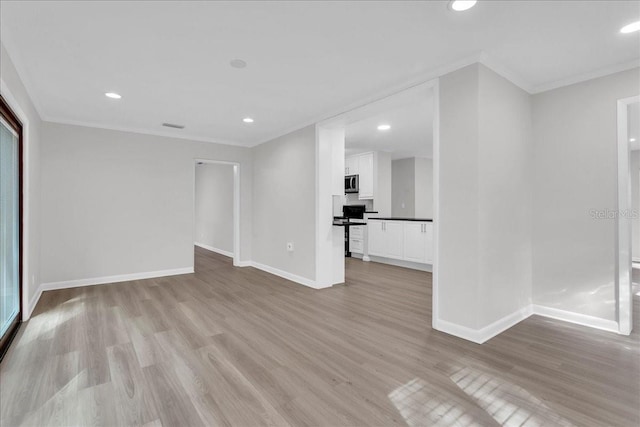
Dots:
pixel 9 217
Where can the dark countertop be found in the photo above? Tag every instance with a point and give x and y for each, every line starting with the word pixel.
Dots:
pixel 338 222
pixel 405 219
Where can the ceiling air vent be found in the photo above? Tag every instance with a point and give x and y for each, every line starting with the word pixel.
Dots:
pixel 174 126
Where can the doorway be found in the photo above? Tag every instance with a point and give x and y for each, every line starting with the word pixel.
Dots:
pixel 628 124
pixel 10 225
pixel 217 207
pixel 333 163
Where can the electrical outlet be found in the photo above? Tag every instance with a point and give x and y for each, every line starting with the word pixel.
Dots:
pixel 290 246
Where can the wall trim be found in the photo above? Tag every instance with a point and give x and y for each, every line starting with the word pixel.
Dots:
pixel 130 129
pixel 505 72
pixel 601 72
pixel 216 250
pixel 289 276
pixel 397 262
pixel 480 336
pixel 113 279
pixel 576 318
pixel 32 304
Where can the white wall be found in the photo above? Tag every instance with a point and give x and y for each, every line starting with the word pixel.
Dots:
pixel 458 265
pixel 18 99
pixel 505 197
pixel 284 186
pixel 214 206
pixel 575 162
pixel 485 198
pixel 403 188
pixel 117 203
pixel 412 185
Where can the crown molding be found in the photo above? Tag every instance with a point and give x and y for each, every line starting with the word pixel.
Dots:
pixel 504 71
pixel 392 90
pixel 187 137
pixel 601 72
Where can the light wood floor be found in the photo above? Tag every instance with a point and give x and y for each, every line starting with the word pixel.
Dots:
pixel 229 346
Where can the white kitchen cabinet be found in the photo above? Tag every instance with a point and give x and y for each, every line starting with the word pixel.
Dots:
pixel 403 240
pixel 351 165
pixel 415 247
pixel 356 239
pixel 374 172
pixel 386 239
pixel 428 235
pixel 356 246
pixel 365 171
pixel 418 242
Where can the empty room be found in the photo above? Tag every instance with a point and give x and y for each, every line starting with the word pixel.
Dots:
pixel 320 213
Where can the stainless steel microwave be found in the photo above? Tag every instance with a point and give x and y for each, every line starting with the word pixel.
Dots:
pixel 351 184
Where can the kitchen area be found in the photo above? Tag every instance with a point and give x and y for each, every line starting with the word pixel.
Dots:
pixel 387 208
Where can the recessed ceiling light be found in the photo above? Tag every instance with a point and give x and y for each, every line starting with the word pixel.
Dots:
pixel 247 120
pixel 632 140
pixel 631 28
pixel 112 95
pixel 461 5
pixel 384 127
pixel 238 63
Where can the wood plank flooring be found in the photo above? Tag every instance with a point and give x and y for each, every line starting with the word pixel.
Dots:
pixel 239 347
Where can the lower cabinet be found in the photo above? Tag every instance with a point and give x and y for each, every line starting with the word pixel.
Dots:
pixel 404 240
pixel 356 239
pixel 418 242
pixel 386 239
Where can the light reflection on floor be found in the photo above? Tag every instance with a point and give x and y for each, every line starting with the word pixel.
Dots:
pixel 423 404
pixel 508 403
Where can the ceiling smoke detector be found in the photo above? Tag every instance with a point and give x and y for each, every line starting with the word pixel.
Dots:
pixel 172 125
pixel 238 63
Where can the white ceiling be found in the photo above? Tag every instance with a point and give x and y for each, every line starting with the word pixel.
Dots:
pixel 411 134
pixel 306 60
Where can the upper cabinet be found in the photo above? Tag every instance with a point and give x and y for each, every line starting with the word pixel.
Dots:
pixel 351 165
pixel 374 171
pixel 365 170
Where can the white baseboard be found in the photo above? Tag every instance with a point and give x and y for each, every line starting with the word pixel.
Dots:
pixel 459 331
pixel 32 304
pixel 113 279
pixel 577 318
pixel 244 264
pixel 480 336
pixel 289 276
pixel 400 263
pixel 216 250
